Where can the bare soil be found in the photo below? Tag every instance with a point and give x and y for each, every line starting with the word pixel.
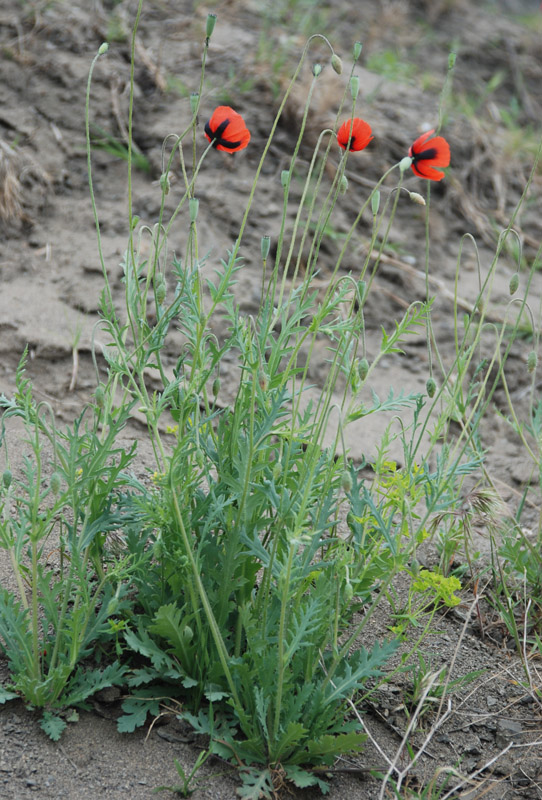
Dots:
pixel 51 283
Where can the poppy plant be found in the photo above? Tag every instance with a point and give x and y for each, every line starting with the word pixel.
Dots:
pixel 357 132
pixel 427 154
pixel 226 130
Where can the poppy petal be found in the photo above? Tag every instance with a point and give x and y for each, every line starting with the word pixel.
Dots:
pixel 355 131
pixel 226 130
pixel 428 153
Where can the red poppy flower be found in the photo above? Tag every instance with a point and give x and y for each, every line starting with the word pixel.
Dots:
pixel 427 153
pixel 226 130
pixel 361 134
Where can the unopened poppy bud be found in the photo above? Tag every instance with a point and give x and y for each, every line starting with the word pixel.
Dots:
pixel 405 163
pixel 55 482
pixel 6 478
pixel 417 198
pixel 164 182
pixel 193 207
pixel 514 283
pixel 350 520
pixel 431 387
pixel 216 387
pixel 348 592
pixel 161 289
pixel 265 245
pixel 336 63
pixel 375 202
pixel 194 102
pixel 343 185
pixel 356 50
pixel 284 177
pixel 103 48
pixel 354 86
pixel 316 70
pixel 346 481
pixel 263 380
pixel 363 368
pixel 532 361
pixel 99 396
pixel 210 26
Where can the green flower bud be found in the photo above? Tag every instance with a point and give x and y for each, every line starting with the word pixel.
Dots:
pixel 210 26
pixel 164 182
pixel 343 185
pixel 56 482
pixel 216 387
pixel 417 198
pixel 265 246
pixel 532 361
pixel 363 368
pixel 405 163
pixel 431 387
pixel 316 70
pixel 7 478
pixel 348 593
pixel 103 48
pixel 284 178
pixel 161 289
pixel 263 380
pixel 356 50
pixel 350 520
pixel 514 283
pixel 354 86
pixel 194 102
pixel 336 63
pixel 375 202
pixel 99 395
pixel 346 481
pixel 193 207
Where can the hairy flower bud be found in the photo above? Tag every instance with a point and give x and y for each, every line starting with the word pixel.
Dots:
pixel 417 198
pixel 194 102
pixel 532 361
pixel 161 289
pixel 103 48
pixel 356 50
pixel 336 63
pixel 346 481
pixel 375 202
pixel 316 70
pixel 348 592
pixel 164 182
pixel 514 283
pixel 343 185
pixel 405 163
pixel 99 395
pixel 354 86
pixel 216 387
pixel 7 478
pixel 431 387
pixel 265 246
pixel 56 482
pixel 363 368
pixel 193 208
